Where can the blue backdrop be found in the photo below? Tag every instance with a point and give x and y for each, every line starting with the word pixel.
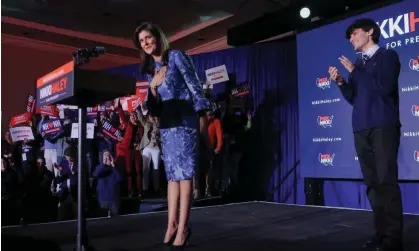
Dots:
pixel 326 139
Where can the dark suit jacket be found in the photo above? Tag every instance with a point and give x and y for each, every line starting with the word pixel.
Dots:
pixel 67 189
pixel 373 90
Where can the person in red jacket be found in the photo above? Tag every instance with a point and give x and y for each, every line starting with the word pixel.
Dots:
pixel 215 139
pixel 137 159
pixel 123 148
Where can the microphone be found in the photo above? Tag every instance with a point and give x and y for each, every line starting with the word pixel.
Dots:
pixel 93 52
pixel 98 50
pixel 82 56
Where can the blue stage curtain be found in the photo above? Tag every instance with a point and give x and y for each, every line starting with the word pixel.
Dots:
pixel 271 164
pixel 132 70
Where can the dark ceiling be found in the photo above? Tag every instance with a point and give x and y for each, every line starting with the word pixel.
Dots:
pixel 189 24
pixel 288 19
pixel 110 17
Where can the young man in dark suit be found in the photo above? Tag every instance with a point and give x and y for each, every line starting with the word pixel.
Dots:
pixel 372 89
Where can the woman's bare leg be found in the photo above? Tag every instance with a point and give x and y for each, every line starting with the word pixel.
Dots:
pixel 185 207
pixel 173 190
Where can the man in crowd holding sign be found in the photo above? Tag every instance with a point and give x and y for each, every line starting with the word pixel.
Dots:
pixel 50 147
pixel 64 186
pixel 372 89
pixel 52 130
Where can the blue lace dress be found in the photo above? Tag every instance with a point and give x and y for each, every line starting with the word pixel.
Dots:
pixel 180 98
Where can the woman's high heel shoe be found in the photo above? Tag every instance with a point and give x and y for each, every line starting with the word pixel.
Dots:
pixel 171 240
pixel 185 243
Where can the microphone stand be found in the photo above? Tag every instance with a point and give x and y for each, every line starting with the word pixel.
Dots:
pixel 82 237
pixel 81 57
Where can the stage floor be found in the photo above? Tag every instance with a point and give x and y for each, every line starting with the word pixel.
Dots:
pixel 242 226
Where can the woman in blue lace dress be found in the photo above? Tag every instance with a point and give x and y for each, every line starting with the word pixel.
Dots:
pixel 176 97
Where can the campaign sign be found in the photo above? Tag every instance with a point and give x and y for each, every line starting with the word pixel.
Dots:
pixel 217 74
pixel 23 119
pixel 52 129
pixel 21 133
pixel 92 113
pixel 240 90
pixel 133 103
pixel 327 147
pixel 30 105
pixel 50 110
pixel 141 89
pixel 90 130
pixel 56 85
pixel 110 131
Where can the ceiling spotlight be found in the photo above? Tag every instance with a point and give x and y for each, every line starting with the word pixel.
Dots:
pixel 305 12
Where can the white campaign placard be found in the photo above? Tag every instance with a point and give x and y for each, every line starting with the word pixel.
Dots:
pixel 75 130
pixel 217 74
pixel 20 133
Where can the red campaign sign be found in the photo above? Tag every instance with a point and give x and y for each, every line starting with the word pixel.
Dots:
pixel 241 90
pixel 141 90
pixel 23 119
pixel 50 110
pixel 116 102
pixel 133 103
pixel 30 105
pixel 124 103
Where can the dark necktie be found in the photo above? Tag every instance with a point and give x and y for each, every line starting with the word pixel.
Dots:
pixel 365 58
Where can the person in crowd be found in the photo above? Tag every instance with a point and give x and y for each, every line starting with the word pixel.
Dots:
pixel 108 184
pixel 50 148
pixel 248 125
pixel 64 142
pixel 28 157
pixel 215 138
pixel 103 143
pixel 205 170
pixel 10 193
pixel 224 113
pixel 39 203
pixel 241 124
pixel 137 134
pixel 123 151
pixel 373 82
pixel 150 148
pixel 176 97
pixel 14 164
pixel 8 147
pixel 65 185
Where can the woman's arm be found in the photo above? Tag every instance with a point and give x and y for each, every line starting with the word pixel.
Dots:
pixel 140 116
pixel 187 69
